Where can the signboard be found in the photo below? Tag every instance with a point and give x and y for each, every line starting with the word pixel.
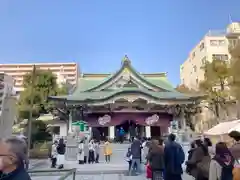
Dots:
pixel 152 119
pixel 104 120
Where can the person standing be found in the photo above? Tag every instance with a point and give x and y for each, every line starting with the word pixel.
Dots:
pixel 54 154
pixel 136 155
pixel 80 155
pixel 121 134
pixel 97 151
pixel 199 161
pixel 221 166
pixel 132 132
pixel 155 158
pixel 107 151
pixel 61 149
pixel 91 152
pixel 85 149
pixel 173 159
pixel 12 159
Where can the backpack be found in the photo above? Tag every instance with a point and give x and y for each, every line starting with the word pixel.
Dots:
pixel 227 171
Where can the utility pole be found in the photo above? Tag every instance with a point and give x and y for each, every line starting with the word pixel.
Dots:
pixel 31 108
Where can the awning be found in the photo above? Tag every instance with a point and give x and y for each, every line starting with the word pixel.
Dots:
pixel 235 128
pixel 222 128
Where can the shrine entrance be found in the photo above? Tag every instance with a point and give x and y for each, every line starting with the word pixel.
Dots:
pixel 100 133
pixel 126 125
pixel 155 131
pixel 131 129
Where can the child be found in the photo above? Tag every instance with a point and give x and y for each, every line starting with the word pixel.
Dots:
pixel 129 158
pixel 107 151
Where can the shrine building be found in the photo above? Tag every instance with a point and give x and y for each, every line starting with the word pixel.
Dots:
pixel 126 98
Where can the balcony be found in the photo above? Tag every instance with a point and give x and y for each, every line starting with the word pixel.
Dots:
pixel 234 47
pixel 233 36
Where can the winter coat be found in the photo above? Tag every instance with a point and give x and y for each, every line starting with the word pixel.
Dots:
pixel 80 155
pixel 18 174
pixel 196 160
pixel 54 152
pixel 174 158
pixel 136 149
pixel 155 158
pixel 107 149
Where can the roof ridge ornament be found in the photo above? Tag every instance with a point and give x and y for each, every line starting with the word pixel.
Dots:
pixel 126 60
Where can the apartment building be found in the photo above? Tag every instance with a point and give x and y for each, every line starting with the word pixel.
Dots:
pixel 214 45
pixel 6 88
pixel 233 36
pixel 69 71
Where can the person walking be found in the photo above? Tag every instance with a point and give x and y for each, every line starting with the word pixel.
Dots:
pixel 136 155
pixel 54 154
pixel 107 151
pixel 12 159
pixel 80 155
pixel 173 159
pixel 155 158
pixel 221 166
pixel 91 158
pixel 121 134
pixel 61 149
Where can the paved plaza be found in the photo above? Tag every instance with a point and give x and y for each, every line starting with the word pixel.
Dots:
pixel 117 167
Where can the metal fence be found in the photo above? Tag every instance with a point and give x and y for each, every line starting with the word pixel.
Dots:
pixel 62 174
pixel 72 174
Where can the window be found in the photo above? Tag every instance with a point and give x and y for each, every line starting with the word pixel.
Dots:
pixel 196 80
pixel 182 80
pixel 193 54
pixel 222 42
pixel 223 57
pixel 204 60
pixel 194 68
pixel 213 42
pixel 201 46
pixel 217 42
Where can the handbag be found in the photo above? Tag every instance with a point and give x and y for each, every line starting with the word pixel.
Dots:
pixel 203 166
pixel 236 170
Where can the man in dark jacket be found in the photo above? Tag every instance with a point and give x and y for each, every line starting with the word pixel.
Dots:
pixel 155 158
pixel 174 158
pixel 12 157
pixel 136 154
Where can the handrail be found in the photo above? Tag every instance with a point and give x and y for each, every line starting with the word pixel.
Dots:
pixel 67 172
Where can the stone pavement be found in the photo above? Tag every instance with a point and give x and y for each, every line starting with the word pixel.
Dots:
pixel 117 165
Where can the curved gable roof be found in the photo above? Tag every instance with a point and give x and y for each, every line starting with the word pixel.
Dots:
pixel 157 80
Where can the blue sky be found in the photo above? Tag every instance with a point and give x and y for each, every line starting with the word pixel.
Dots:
pixel 157 35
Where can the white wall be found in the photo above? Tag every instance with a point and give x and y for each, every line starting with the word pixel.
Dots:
pixel 63 129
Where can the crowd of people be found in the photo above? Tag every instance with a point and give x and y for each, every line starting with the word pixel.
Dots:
pixel 214 162
pixel 88 152
pixel 205 161
pixel 163 160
